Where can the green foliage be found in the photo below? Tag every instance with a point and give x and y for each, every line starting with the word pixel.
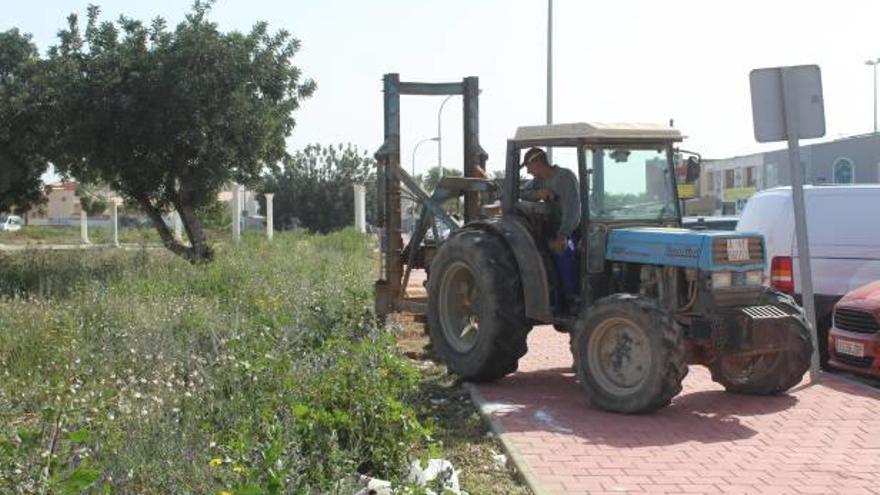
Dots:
pixel 23 130
pixel 432 178
pixel 314 190
pixel 215 215
pixel 92 202
pixel 262 372
pixel 169 117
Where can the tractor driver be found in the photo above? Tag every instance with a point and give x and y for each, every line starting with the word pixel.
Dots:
pixel 559 187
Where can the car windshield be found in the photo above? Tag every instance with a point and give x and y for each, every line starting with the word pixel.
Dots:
pixel 630 184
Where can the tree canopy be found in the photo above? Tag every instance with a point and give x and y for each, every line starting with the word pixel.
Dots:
pixel 314 188
pixel 23 125
pixel 167 117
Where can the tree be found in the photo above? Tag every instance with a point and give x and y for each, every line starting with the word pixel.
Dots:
pixel 92 202
pixel 314 188
pixel 168 118
pixel 23 132
pixel 432 178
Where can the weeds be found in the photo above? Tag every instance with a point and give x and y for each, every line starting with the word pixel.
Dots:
pixel 140 373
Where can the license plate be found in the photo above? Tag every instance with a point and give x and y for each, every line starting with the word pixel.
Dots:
pixel 849 348
pixel 737 249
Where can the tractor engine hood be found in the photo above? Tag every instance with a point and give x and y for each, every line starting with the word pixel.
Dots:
pixel 705 250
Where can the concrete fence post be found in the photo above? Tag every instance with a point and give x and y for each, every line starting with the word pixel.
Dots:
pixel 84 227
pixel 114 209
pixel 178 227
pixel 360 210
pixel 236 212
pixel 270 219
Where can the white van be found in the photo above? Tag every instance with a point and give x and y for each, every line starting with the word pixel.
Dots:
pixel 843 225
pixel 11 223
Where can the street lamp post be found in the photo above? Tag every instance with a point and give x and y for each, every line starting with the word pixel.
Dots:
pixel 416 149
pixel 874 63
pixel 440 135
pixel 550 72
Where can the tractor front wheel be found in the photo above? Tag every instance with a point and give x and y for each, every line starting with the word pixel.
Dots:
pixel 476 314
pixel 629 354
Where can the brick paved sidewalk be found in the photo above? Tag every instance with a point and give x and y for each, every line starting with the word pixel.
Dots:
pixel 817 439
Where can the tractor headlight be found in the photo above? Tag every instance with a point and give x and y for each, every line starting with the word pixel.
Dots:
pixel 755 277
pixel 722 280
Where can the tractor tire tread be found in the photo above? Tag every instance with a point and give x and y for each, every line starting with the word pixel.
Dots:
pixel 673 370
pixel 507 327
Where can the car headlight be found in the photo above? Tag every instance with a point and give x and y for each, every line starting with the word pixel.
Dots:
pixel 722 280
pixel 755 277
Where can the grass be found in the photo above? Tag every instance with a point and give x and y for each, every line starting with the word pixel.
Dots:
pixel 52 234
pixel 260 373
pixel 263 372
pixel 65 234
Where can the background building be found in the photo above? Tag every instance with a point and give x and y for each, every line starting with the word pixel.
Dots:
pixel 727 184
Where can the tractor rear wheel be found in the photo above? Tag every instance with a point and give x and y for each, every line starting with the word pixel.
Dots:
pixel 771 373
pixel 476 314
pixel 629 354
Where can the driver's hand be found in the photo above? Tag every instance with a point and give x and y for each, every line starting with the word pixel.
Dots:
pixel 557 245
pixel 545 194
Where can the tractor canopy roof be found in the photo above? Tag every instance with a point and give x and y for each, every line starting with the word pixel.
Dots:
pixel 594 132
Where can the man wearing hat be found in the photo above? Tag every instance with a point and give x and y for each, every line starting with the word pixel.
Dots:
pixel 559 187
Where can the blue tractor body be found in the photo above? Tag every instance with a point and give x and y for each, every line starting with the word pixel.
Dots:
pixel 678 247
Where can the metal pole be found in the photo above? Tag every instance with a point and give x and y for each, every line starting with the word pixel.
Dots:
pixel 800 218
pixel 416 148
pixel 550 72
pixel 873 64
pixel 440 135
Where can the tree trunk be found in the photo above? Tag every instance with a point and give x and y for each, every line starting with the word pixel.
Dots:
pixel 201 251
pixel 165 233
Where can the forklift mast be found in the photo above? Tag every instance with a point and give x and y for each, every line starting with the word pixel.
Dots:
pixel 389 291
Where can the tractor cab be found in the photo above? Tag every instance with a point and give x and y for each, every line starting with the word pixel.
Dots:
pixel 627 178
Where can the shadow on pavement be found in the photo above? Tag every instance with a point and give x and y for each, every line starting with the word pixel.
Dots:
pixel 850 384
pixel 551 400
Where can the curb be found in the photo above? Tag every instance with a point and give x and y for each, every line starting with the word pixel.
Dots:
pixel 522 467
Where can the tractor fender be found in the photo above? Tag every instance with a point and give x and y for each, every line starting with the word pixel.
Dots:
pixel 532 270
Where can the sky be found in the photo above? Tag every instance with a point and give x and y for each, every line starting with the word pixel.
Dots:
pixel 626 60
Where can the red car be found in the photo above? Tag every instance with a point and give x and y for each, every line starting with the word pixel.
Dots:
pixel 854 339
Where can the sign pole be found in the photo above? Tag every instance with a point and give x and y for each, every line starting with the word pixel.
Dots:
pixel 789 97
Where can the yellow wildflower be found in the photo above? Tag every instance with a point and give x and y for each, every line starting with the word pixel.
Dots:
pixel 215 461
pixel 238 469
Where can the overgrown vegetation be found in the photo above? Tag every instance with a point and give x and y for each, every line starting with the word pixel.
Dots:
pixel 260 373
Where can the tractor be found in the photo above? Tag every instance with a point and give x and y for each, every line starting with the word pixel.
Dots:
pixel 653 298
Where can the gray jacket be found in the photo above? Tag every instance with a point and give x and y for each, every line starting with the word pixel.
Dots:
pixel 564 186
